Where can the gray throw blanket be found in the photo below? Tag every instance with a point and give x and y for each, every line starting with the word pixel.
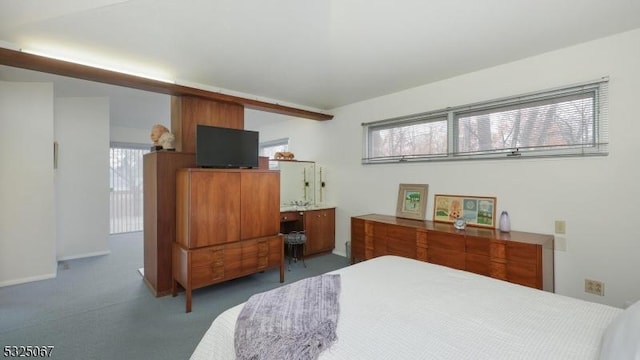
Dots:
pixel 295 322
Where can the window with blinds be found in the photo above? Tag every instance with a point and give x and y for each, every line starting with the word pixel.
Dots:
pixel 126 187
pixel 414 138
pixel 562 122
pixel 269 148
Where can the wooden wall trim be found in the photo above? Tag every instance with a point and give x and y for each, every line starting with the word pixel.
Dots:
pixel 53 66
pixel 188 111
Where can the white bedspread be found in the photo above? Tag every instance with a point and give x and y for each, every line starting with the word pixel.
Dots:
pixel 397 308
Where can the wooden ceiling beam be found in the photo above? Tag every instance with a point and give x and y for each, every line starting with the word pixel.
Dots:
pixel 59 67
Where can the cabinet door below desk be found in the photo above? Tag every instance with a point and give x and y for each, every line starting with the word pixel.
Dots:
pixel 320 227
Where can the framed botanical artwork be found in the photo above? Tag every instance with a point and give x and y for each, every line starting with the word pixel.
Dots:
pixel 475 210
pixel 412 201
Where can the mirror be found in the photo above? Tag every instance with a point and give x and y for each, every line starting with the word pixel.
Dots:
pixel 297 182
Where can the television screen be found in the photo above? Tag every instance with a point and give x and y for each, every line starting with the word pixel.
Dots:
pixel 219 147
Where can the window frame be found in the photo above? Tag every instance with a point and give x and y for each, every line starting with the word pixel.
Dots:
pixel 424 118
pixel 273 143
pixel 597 147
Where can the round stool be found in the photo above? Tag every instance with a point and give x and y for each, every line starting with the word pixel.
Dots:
pixel 294 242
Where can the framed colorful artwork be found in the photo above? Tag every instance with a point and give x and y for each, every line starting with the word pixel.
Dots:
pixel 412 201
pixel 475 210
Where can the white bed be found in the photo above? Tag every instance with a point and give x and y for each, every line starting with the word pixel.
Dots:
pixel 398 308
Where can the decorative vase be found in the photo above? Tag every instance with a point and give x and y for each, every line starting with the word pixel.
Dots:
pixel 505 224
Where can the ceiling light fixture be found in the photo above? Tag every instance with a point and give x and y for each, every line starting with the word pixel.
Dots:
pixel 97 66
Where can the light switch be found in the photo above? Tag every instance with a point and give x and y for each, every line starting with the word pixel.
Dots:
pixel 561 227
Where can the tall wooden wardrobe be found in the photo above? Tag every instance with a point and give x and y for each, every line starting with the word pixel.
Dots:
pixel 243 212
pixel 228 225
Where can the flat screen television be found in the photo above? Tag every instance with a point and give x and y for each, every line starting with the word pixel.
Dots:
pixel 219 147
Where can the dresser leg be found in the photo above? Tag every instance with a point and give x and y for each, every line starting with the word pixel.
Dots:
pixel 281 270
pixel 188 299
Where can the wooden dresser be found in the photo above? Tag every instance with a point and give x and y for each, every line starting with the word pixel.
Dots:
pixel 518 257
pixel 227 226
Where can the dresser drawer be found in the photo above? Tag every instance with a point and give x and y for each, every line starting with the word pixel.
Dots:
pixel 289 216
pixel 401 241
pixel 401 233
pixel 478 264
pixel 524 274
pixel 405 247
pixel 207 256
pixel 206 274
pixel 522 253
pixel 477 246
pixel 446 241
pixel 446 257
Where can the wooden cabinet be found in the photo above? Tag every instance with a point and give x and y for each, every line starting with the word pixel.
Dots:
pixel 159 174
pixel 227 226
pixel 320 228
pixel 207 207
pixel 260 203
pixel 518 257
pixel 221 206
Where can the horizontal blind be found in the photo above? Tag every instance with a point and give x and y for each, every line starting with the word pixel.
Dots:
pixel 558 122
pixel 568 121
pixel 412 139
pixel 126 201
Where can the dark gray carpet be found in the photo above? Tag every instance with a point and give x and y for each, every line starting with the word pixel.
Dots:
pixel 99 308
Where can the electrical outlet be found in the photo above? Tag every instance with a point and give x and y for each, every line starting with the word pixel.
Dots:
pixel 561 227
pixel 594 287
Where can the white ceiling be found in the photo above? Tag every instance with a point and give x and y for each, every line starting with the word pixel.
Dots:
pixel 315 54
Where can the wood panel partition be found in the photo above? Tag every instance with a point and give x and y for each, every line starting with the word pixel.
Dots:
pixel 160 215
pixel 188 111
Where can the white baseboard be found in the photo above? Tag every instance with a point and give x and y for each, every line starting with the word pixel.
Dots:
pixel 341 253
pixel 82 256
pixel 27 280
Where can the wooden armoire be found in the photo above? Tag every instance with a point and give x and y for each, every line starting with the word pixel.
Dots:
pixel 227 226
pixel 160 179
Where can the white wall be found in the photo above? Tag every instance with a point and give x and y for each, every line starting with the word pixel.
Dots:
pixel 130 135
pixel 82 177
pixel 27 219
pixel 594 195
pixel 62 214
pixel 133 122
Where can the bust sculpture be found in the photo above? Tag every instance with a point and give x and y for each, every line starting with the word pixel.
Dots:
pixel 162 138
